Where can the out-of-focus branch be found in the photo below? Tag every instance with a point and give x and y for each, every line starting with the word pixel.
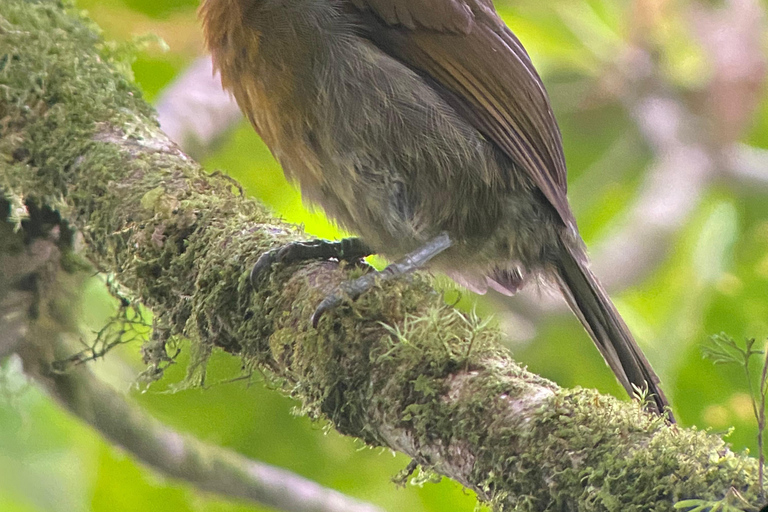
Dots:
pixel 748 166
pixel 194 111
pixel 693 136
pixel 208 468
pixel 671 190
pixel 23 264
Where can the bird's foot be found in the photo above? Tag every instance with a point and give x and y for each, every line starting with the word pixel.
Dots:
pixel 348 290
pixel 353 289
pixel 346 249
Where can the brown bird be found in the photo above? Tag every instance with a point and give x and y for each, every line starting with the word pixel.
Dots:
pixel 422 127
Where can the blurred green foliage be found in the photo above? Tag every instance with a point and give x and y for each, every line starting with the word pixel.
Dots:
pixel 715 278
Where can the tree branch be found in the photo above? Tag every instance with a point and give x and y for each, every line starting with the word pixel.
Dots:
pixel 35 319
pixel 209 468
pixel 394 368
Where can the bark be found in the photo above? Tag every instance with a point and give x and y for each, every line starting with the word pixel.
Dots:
pixel 397 368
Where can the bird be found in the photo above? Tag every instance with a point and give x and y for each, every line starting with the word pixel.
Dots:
pixel 422 127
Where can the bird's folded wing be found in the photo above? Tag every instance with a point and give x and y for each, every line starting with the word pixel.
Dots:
pixel 483 71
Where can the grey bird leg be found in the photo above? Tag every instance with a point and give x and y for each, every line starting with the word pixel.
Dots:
pixel 347 249
pixel 409 263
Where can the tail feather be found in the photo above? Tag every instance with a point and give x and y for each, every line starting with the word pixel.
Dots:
pixel 591 304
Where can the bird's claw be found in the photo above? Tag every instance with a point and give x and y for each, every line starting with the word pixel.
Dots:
pixel 264 262
pixel 410 262
pixel 330 302
pixel 349 290
pixel 345 249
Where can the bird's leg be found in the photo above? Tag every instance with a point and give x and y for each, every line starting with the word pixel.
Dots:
pixel 347 249
pixel 410 262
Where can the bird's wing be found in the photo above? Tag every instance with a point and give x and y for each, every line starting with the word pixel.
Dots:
pixel 485 73
pixel 447 15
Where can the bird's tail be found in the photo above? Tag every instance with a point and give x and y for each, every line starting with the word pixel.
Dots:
pixel 591 304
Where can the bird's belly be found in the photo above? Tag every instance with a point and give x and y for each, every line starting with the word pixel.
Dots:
pixel 389 160
pixel 395 215
pixel 396 204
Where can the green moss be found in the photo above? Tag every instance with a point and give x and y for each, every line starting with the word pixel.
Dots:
pixel 86 144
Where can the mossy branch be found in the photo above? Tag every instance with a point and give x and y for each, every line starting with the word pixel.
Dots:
pixel 393 369
pixel 32 282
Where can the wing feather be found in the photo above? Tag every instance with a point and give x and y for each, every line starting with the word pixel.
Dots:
pixel 467 50
pixel 446 15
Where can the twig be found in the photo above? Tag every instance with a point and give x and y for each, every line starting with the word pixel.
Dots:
pixel 723 349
